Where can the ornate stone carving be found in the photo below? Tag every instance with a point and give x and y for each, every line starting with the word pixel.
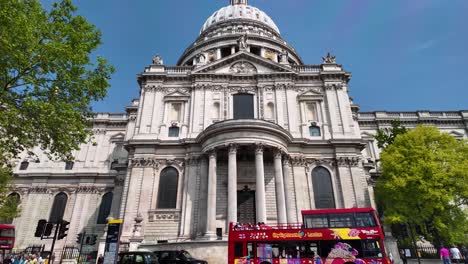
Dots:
pixel 284 57
pixel 259 148
pixel 163 216
pixel 144 162
pixel 99 131
pixel 243 68
pixel 329 59
pixel 348 161
pixel 157 60
pixel 119 180
pixel 233 148
pixel 39 189
pixel 298 160
pixel 242 42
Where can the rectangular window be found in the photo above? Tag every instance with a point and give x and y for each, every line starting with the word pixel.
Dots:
pixel 365 220
pixel 69 165
pixel 24 165
pixel 238 250
pixel 173 131
pixel 311 112
pixel 243 106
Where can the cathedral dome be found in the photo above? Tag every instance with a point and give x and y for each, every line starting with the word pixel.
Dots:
pixel 239 10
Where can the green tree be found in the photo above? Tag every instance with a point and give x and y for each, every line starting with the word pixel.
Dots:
pixel 424 183
pixel 387 137
pixel 48 78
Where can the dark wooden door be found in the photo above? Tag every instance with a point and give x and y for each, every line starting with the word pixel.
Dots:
pixel 246 206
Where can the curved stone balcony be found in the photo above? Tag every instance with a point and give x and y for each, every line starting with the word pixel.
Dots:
pixel 244 132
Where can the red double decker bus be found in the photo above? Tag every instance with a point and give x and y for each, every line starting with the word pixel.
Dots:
pixel 7 238
pixel 334 236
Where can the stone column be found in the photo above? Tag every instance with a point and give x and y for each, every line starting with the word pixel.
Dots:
pixel 288 189
pixel 232 185
pixel 260 202
pixel 279 187
pixel 211 201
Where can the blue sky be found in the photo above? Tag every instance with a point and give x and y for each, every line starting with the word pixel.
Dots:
pixel 404 55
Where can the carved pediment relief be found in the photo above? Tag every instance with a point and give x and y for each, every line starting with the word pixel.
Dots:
pixel 243 67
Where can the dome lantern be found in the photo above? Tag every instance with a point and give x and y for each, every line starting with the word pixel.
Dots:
pixel 239 2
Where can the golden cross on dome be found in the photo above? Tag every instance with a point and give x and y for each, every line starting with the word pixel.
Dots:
pixel 239 2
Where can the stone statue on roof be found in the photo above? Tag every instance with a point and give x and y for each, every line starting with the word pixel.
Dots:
pixel 157 60
pixel 330 59
pixel 242 42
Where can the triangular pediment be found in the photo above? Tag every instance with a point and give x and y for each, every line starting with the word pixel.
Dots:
pixel 176 95
pixel 310 94
pixel 243 63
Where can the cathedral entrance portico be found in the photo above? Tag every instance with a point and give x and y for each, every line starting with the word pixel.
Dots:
pixel 248 204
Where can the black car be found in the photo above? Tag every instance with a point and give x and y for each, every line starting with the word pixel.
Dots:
pixel 137 257
pixel 177 257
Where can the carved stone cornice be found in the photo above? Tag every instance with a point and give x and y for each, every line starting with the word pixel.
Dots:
pixel 348 161
pixel 298 160
pixel 233 148
pixel 334 86
pixel 330 163
pixel 38 189
pixel 151 162
pixel 99 131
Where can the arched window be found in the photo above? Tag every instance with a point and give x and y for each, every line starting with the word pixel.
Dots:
pixel 314 131
pixel 270 111
pixel 58 207
pixel 323 190
pixel 14 200
pixel 167 193
pixel 216 111
pixel 105 207
pixel 243 106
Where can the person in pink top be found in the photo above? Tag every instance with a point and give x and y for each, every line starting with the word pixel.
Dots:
pixel 445 255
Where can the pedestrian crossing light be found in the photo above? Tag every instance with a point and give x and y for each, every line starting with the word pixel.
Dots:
pixel 63 229
pixel 41 224
pixel 48 229
pixel 79 238
pixel 93 240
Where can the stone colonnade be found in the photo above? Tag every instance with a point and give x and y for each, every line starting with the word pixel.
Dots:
pixel 281 170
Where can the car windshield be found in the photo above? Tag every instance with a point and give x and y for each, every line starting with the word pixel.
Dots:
pixel 186 254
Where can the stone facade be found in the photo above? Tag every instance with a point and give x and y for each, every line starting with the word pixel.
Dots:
pixel 190 119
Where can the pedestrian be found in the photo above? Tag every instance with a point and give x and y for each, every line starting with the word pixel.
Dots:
pixel 33 259
pixel 100 259
pixel 456 256
pixel 464 252
pixel 7 259
pixel 403 256
pixel 445 255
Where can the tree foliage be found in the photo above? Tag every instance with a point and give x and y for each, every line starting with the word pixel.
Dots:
pixel 48 78
pixel 424 182
pixel 387 137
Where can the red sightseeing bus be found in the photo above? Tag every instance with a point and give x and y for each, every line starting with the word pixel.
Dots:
pixel 333 236
pixel 7 238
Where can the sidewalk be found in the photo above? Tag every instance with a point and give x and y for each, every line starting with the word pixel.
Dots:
pixel 425 261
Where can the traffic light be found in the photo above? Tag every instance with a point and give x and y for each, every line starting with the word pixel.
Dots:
pixel 40 228
pixel 93 240
pixel 79 238
pixel 63 229
pixel 48 229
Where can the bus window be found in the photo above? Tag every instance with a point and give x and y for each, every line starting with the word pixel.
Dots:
pixel 316 221
pixel 341 220
pixel 238 250
pixel 364 220
pixel 250 251
pixel 371 249
pixel 7 233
